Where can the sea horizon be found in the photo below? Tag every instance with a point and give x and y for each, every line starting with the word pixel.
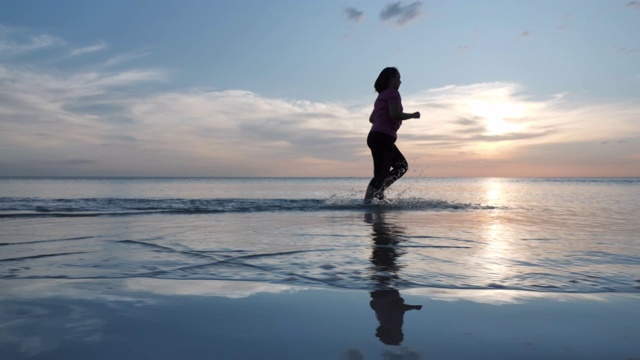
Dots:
pixel 301 177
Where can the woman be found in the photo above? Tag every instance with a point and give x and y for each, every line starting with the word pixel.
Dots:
pixel 388 162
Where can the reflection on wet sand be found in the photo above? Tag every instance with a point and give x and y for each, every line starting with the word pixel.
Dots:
pixel 386 301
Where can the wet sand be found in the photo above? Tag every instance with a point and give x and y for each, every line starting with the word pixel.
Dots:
pixel 190 319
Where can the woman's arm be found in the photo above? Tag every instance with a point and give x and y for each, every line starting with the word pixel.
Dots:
pixel 371 117
pixel 395 111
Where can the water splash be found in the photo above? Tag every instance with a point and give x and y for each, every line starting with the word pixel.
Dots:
pixel 402 203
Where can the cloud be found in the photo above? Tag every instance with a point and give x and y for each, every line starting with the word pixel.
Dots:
pixel 627 51
pixel 26 89
pixel 18 41
pixel 47 114
pixel 633 5
pixel 123 58
pixel 44 118
pixel 466 121
pixel 469 126
pixel 353 14
pixel 29 44
pixel 276 129
pixel 89 49
pixel 479 128
pixel 401 14
pixel 485 112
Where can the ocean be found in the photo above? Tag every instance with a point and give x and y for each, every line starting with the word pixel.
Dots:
pixel 547 235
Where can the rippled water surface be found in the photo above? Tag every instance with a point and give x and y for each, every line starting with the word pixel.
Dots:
pixel 542 235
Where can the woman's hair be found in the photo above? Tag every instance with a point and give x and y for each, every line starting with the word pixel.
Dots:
pixel 382 82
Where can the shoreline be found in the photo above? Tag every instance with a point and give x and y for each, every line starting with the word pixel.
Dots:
pixel 193 319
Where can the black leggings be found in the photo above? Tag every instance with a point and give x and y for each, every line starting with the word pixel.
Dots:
pixel 388 162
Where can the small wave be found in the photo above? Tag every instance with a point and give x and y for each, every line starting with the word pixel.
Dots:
pixel 31 257
pixel 37 207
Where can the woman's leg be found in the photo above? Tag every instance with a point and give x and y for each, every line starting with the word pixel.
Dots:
pixel 399 167
pixel 382 151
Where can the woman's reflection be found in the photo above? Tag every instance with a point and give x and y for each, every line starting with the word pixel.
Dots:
pixel 385 299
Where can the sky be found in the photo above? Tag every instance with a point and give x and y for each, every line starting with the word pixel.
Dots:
pixel 509 88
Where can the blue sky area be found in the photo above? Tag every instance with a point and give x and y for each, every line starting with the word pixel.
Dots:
pixel 284 88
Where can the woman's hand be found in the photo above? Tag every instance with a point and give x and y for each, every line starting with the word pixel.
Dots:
pixel 416 115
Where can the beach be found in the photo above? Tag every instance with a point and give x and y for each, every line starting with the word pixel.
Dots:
pixel 244 268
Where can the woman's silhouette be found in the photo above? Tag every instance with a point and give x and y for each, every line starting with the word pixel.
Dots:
pixel 388 162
